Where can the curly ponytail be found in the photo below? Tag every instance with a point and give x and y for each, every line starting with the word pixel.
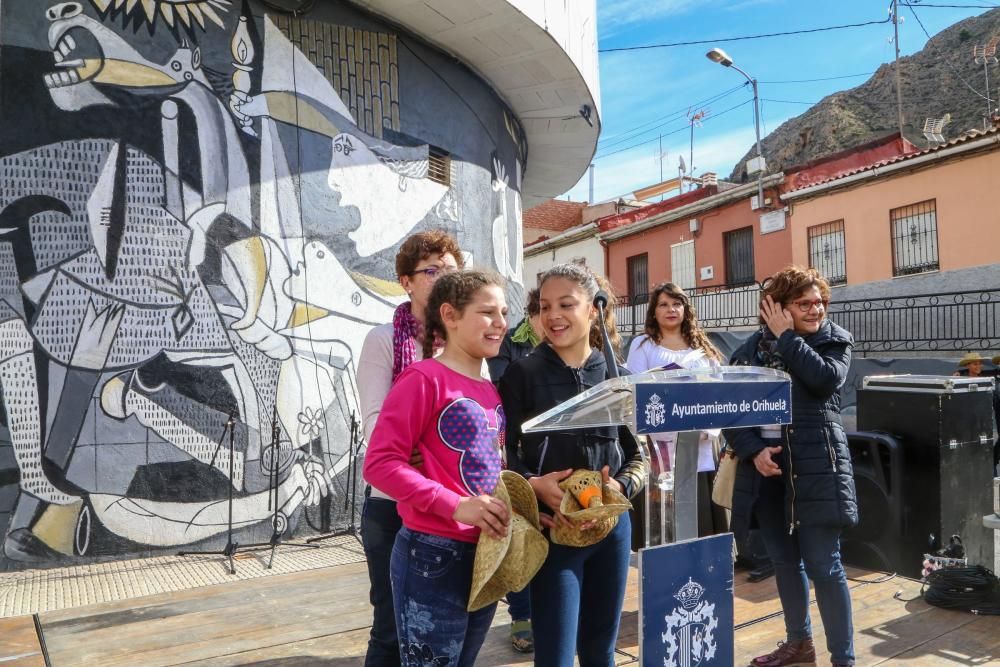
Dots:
pixel 591 283
pixel 457 289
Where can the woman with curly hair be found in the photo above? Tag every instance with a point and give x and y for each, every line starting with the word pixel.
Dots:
pixel 796 481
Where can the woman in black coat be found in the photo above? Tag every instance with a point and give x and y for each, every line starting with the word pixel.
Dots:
pixel 796 482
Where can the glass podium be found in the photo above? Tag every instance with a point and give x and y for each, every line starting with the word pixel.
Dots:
pixel 685 402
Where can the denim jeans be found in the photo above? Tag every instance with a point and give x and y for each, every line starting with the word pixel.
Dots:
pixel 431 580
pixel 812 551
pixel 379 525
pixel 577 598
pixel 519 605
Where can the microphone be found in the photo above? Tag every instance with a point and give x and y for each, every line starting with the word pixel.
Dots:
pixel 601 302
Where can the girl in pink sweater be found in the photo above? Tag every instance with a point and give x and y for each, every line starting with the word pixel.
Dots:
pixel 453 417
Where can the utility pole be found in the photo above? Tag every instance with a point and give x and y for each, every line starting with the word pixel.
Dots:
pixel 895 42
pixel 661 158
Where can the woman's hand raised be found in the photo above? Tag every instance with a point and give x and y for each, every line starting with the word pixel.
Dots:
pixel 486 512
pixel 777 319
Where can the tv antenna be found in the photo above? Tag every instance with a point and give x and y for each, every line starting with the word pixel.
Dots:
pixel 695 119
pixel 986 55
pixel 934 128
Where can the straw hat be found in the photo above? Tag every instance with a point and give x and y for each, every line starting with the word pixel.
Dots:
pixel 604 505
pixel 509 563
pixel 969 358
pixel 996 360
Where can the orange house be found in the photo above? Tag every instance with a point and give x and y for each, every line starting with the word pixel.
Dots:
pixel 716 236
pixel 931 211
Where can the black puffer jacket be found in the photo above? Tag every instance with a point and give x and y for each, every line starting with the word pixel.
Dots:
pixel 815 461
pixel 540 381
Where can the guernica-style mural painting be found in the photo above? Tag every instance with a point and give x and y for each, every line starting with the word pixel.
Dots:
pixel 200 206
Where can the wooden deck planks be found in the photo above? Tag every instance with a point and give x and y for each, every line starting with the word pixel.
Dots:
pixel 19 643
pixel 321 617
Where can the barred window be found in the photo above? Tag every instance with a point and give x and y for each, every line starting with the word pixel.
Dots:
pixel 638 277
pixel 739 256
pixel 439 165
pixel 914 238
pixel 827 251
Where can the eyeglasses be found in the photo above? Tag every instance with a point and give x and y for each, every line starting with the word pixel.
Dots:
pixel 433 272
pixel 806 305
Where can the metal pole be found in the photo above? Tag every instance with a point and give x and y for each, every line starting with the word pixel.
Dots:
pixel 895 41
pixel 591 201
pixel 756 129
pixel 989 104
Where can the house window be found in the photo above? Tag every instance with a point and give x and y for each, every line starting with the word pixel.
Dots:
pixel 638 277
pixel 438 165
pixel 914 238
pixel 739 256
pixel 827 251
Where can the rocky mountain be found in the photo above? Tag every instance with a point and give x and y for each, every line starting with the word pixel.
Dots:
pixel 932 85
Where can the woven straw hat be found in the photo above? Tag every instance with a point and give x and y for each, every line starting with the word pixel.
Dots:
pixel 969 358
pixel 605 510
pixel 996 360
pixel 508 564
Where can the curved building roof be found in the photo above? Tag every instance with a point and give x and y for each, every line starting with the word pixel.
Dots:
pixel 541 58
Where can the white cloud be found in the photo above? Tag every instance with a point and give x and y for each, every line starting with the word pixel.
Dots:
pixel 614 15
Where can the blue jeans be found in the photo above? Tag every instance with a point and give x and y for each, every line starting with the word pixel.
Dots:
pixel 812 551
pixel 577 598
pixel 519 605
pixel 379 525
pixel 431 580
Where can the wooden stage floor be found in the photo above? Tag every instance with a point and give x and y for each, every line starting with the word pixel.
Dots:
pixel 320 617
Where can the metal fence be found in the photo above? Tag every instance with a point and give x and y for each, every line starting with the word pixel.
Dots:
pixel 949 321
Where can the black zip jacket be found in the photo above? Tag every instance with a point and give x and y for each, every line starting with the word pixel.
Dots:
pixel 814 460
pixel 540 381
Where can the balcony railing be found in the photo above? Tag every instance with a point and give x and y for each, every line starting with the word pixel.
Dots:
pixel 947 322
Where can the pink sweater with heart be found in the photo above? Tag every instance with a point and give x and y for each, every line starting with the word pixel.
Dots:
pixel 457 425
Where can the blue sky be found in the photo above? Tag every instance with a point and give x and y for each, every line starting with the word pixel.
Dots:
pixel 648 92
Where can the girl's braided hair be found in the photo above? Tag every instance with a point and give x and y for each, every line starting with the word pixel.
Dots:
pixel 457 289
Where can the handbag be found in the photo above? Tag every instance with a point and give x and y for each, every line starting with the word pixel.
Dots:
pixel 725 479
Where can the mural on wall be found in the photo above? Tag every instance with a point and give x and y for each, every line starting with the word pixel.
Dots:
pixel 223 258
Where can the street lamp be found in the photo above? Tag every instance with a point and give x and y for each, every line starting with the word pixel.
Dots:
pixel 721 57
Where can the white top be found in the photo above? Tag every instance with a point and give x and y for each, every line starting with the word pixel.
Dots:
pixel 375 377
pixel 644 355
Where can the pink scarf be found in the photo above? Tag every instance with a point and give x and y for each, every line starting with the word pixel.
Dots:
pixel 405 330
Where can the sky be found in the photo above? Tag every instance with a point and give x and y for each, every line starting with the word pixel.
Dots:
pixel 648 93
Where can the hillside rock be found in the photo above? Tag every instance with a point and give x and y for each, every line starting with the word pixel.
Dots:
pixel 932 87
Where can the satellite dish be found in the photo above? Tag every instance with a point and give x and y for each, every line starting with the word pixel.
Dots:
pixel 680 164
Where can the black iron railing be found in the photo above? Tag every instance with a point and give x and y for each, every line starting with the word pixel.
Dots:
pixel 951 321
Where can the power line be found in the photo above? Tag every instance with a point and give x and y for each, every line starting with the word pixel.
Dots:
pixel 743 37
pixel 633 133
pixel 684 128
pixel 910 4
pixel 946 61
pixel 826 78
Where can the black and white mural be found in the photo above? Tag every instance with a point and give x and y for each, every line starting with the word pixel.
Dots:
pixel 200 206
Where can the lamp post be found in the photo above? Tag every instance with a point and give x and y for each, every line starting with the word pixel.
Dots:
pixel 719 56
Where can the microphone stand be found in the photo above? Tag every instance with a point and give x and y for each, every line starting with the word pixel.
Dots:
pixel 230 549
pixel 272 498
pixel 350 499
pixel 601 301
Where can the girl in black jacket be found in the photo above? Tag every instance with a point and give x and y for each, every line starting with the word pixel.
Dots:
pixel 796 482
pixel 577 596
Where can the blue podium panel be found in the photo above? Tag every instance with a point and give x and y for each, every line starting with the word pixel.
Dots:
pixel 686 603
pixel 692 406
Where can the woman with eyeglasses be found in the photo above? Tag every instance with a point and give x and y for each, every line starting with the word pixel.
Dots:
pixel 795 482
pixel 387 351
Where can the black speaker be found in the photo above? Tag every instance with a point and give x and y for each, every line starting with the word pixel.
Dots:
pixel 943 474
pixel 874 543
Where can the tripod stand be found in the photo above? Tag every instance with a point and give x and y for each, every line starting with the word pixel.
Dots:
pixel 277 528
pixel 351 498
pixel 229 551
